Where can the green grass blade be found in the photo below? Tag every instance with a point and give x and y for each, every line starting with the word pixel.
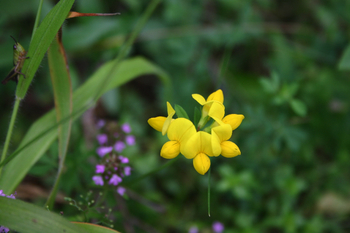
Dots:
pixel 25 217
pixel 63 95
pixel 18 167
pixel 41 41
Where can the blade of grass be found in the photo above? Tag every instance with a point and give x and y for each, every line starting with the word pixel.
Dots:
pixel 41 41
pixel 61 82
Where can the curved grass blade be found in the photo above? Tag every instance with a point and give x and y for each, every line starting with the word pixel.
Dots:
pixel 63 96
pixel 41 41
pixel 25 217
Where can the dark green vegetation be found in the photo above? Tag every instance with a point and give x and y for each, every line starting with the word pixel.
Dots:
pixel 277 63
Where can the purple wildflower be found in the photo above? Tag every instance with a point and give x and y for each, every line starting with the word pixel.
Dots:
pixel 119 146
pixel 193 229
pixel 100 168
pixel 121 190
pixel 123 159
pixel 102 138
pixel 126 128
pixel 100 124
pixel 4 229
pixel 98 180
pixel 115 180
pixel 130 140
pixel 218 227
pixel 127 171
pixel 101 151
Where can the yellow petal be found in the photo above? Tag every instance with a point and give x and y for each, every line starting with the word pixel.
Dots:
pixel 180 129
pixel 234 120
pixel 201 163
pixel 223 132
pixel 217 95
pixel 157 123
pixel 167 122
pixel 200 99
pixel 229 149
pixel 200 142
pixel 170 150
pixel 217 111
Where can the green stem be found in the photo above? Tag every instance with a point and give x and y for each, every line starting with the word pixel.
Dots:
pixel 9 132
pixel 37 18
pixel 209 192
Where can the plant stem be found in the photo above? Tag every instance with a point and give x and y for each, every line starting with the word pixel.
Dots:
pixel 9 132
pixel 37 18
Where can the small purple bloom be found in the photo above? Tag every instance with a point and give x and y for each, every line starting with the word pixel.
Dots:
pixel 115 180
pixel 102 138
pixel 193 230
pixel 4 229
pixel 100 168
pixel 119 146
pixel 2 193
pixel 101 151
pixel 126 128
pixel 218 227
pixel 130 140
pixel 100 124
pixel 127 171
pixel 98 180
pixel 123 159
pixel 121 190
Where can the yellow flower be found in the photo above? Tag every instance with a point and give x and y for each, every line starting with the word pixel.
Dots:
pixel 198 147
pixel 179 131
pixel 220 135
pixel 215 97
pixel 217 112
pixel 162 123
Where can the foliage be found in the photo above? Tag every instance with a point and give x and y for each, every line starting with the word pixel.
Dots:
pixel 283 65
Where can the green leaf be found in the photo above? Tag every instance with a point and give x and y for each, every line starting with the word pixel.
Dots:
pixel 41 41
pixel 180 112
pixel 25 217
pixel 89 227
pixel 37 140
pixel 344 63
pixel 63 96
pixel 298 107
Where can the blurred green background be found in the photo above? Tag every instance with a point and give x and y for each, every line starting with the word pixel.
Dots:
pixel 277 63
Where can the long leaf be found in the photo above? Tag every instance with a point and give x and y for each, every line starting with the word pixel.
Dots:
pixel 63 95
pixel 17 168
pixel 41 41
pixel 25 217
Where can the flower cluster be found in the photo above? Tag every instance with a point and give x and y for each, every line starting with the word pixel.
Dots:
pixel 209 138
pixel 113 166
pixel 2 228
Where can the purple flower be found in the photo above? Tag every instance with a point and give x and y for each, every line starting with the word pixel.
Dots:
pixel 115 180
pixel 98 180
pixel 193 230
pixel 100 168
pixel 4 229
pixel 10 196
pixel 123 159
pixel 218 227
pixel 126 128
pixel 102 138
pixel 121 190
pixel 100 124
pixel 101 151
pixel 127 171
pixel 130 140
pixel 2 193
pixel 119 146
